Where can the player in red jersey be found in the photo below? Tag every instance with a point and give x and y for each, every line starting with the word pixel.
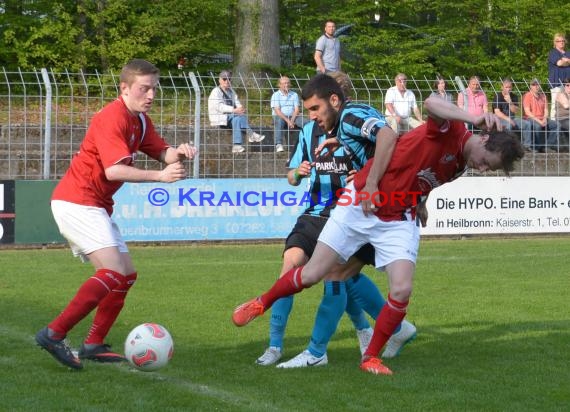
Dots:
pixel 82 204
pixel 427 157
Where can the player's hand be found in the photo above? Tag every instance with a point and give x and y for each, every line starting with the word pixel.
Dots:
pixel 350 176
pixel 173 172
pixel 186 151
pixel 488 121
pixel 304 169
pixel 422 213
pixel 331 144
pixel 368 207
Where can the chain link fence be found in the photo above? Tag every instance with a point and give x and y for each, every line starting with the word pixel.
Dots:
pixel 44 116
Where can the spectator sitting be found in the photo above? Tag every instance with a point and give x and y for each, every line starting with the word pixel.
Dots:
pixel 440 87
pixel 563 113
pixel 225 109
pixel 473 99
pixel 285 111
pixel 544 130
pixel 506 107
pixel 400 103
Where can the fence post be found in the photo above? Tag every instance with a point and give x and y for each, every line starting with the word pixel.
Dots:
pixel 47 131
pixel 197 110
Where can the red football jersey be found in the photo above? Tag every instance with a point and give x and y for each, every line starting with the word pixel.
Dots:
pixel 114 134
pixel 424 158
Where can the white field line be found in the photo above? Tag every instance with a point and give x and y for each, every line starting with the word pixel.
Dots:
pixel 232 399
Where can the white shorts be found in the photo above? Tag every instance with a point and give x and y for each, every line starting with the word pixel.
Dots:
pixel 348 229
pixel 86 228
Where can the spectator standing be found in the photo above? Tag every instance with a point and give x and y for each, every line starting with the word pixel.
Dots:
pixel 440 87
pixel 544 130
pixel 563 112
pixel 285 111
pixel 506 107
pixel 225 109
pixel 327 50
pixel 400 105
pixel 558 68
pixel 82 205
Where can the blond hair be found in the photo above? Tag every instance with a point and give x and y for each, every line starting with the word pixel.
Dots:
pixel 558 35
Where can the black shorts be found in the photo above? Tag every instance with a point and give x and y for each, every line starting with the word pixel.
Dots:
pixel 306 232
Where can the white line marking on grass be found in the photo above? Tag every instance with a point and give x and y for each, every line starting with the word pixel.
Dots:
pixel 212 392
pixel 221 395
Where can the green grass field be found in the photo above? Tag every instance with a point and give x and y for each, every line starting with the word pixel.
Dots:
pixel 492 315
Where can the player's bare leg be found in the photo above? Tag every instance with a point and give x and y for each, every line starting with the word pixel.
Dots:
pixel 323 260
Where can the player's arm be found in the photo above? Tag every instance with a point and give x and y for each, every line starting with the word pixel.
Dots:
pixel 331 144
pixel 421 210
pixel 441 110
pixel 121 172
pixel 385 143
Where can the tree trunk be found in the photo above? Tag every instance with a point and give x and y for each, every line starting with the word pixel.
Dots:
pixel 257 36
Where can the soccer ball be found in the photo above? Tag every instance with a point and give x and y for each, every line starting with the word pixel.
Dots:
pixel 149 347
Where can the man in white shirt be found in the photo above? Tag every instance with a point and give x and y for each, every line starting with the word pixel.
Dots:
pixel 400 105
pixel 225 109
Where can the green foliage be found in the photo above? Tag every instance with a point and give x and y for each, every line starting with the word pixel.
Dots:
pixel 492 335
pixel 103 35
pixel 419 37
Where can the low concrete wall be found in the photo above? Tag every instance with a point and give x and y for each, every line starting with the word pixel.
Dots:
pixel 21 153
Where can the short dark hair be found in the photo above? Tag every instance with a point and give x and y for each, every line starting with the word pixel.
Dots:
pixel 322 86
pixel 508 146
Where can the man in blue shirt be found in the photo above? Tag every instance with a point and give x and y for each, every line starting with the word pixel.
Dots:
pixel 285 111
pixel 558 69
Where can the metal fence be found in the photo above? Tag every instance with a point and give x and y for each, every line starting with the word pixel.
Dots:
pixel 44 116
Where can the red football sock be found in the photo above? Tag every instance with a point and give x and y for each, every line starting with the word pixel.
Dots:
pixel 390 317
pixel 108 310
pixel 288 284
pixel 85 300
